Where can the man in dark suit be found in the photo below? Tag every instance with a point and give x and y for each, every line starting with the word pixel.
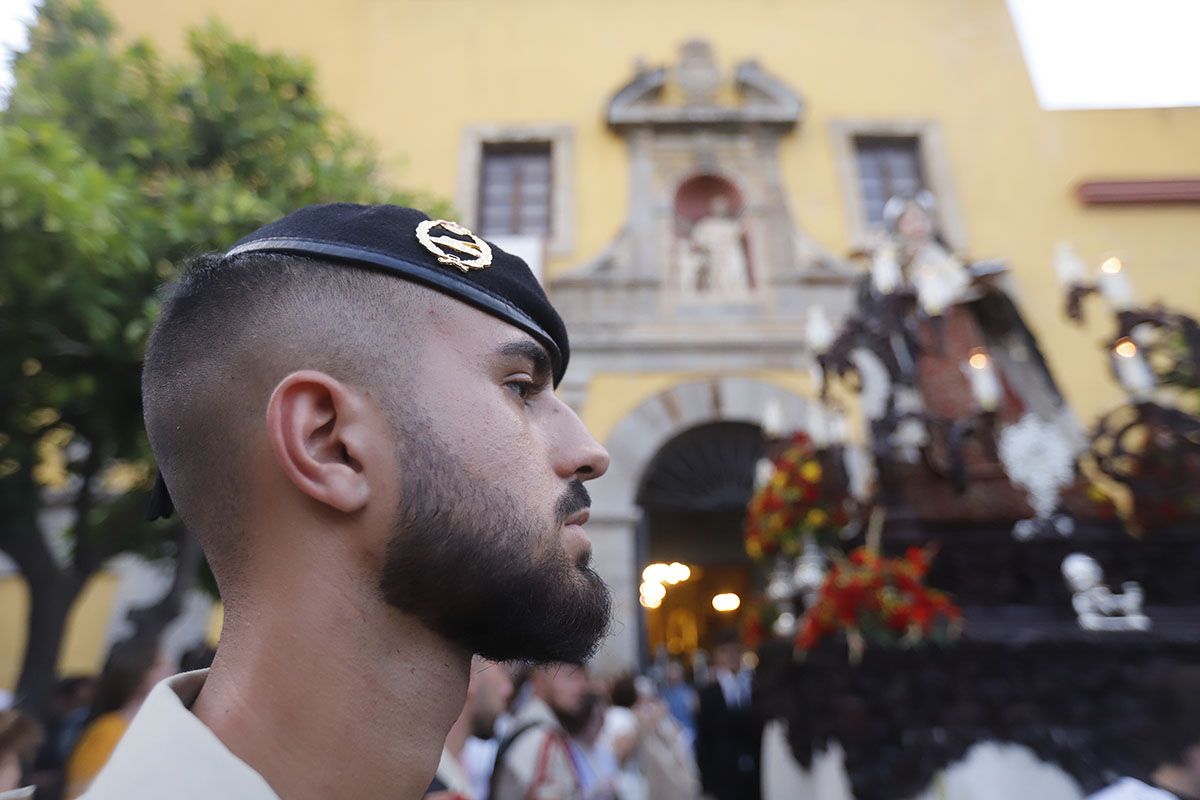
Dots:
pixel 728 731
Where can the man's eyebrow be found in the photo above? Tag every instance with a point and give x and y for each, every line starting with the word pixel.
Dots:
pixel 532 352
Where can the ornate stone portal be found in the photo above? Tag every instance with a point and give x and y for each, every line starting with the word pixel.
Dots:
pixel 709 275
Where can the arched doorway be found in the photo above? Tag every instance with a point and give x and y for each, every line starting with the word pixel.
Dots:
pixel 619 527
pixel 693 498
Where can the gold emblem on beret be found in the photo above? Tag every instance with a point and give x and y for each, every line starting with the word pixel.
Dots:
pixel 479 252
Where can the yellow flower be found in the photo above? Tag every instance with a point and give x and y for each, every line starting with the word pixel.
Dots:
pixel 811 471
pixel 817 517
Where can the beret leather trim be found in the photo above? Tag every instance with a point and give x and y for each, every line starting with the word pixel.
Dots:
pixel 438 278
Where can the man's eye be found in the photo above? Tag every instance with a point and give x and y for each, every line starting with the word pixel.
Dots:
pixel 522 389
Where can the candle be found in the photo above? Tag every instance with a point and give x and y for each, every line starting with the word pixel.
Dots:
pixel 838 427
pixel 772 419
pixel 985 386
pixel 1114 285
pixel 764 469
pixel 818 426
pixel 1132 370
pixel 860 473
pixel 885 270
pixel 1069 266
pixel 819 331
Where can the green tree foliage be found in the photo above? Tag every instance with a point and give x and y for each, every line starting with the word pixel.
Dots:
pixel 114 168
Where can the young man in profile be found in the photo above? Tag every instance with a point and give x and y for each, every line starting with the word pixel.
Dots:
pixel 353 408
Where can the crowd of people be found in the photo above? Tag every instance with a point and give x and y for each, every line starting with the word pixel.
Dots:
pixel 557 731
pixel 57 756
pixel 552 731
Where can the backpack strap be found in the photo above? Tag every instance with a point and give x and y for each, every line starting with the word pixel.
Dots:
pixel 502 751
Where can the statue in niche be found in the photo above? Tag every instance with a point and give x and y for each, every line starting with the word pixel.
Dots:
pixel 712 258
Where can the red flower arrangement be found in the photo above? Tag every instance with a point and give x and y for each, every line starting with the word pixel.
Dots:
pixel 884 600
pixel 801 497
pixel 757 618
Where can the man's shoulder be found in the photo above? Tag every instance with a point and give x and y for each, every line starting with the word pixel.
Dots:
pixel 168 752
pixel 1132 789
pixel 533 739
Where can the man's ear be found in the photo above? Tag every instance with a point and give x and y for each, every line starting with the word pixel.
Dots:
pixel 319 429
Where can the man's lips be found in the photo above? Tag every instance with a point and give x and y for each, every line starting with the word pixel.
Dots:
pixel 578 518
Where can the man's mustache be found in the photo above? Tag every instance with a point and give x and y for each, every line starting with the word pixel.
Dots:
pixel 574 500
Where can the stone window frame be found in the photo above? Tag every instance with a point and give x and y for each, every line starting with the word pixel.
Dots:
pixel 935 169
pixel 561 139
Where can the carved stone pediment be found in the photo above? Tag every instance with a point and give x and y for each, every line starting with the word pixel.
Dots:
pixel 763 99
pixel 710 271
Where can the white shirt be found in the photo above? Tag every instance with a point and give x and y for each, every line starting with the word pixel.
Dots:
pixel 735 687
pixel 168 752
pixel 451 772
pixel 1132 789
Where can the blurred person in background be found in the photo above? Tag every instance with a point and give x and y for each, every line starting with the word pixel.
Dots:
pixel 66 715
pixel 19 740
pixel 131 671
pixel 596 764
pixel 681 698
pixel 488 694
pixel 1170 746
pixel 655 756
pixel 728 729
pixel 619 736
pixel 535 760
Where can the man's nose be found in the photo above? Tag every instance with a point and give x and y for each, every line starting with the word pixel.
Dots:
pixel 581 456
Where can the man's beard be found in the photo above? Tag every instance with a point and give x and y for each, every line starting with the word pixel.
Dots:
pixel 467 562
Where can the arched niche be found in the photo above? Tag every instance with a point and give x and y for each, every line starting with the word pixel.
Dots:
pixel 694 196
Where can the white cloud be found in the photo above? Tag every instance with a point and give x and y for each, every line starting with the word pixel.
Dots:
pixel 1110 53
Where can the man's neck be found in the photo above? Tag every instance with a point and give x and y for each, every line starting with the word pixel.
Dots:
pixel 456 739
pixel 329 693
pixel 1178 781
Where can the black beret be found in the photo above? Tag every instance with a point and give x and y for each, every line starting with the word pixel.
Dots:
pixel 441 255
pixel 404 242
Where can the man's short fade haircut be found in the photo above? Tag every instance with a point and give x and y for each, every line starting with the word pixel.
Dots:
pixel 230 328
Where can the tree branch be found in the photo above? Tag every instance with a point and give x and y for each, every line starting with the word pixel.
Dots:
pixel 22 538
pixel 86 560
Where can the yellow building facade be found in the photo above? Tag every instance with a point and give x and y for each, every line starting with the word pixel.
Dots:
pixel 449 89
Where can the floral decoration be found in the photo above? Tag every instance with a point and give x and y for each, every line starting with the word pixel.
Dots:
pixel 803 496
pixel 869 597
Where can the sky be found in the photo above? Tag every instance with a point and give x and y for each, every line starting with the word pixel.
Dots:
pixel 14 16
pixel 1080 53
pixel 1110 53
